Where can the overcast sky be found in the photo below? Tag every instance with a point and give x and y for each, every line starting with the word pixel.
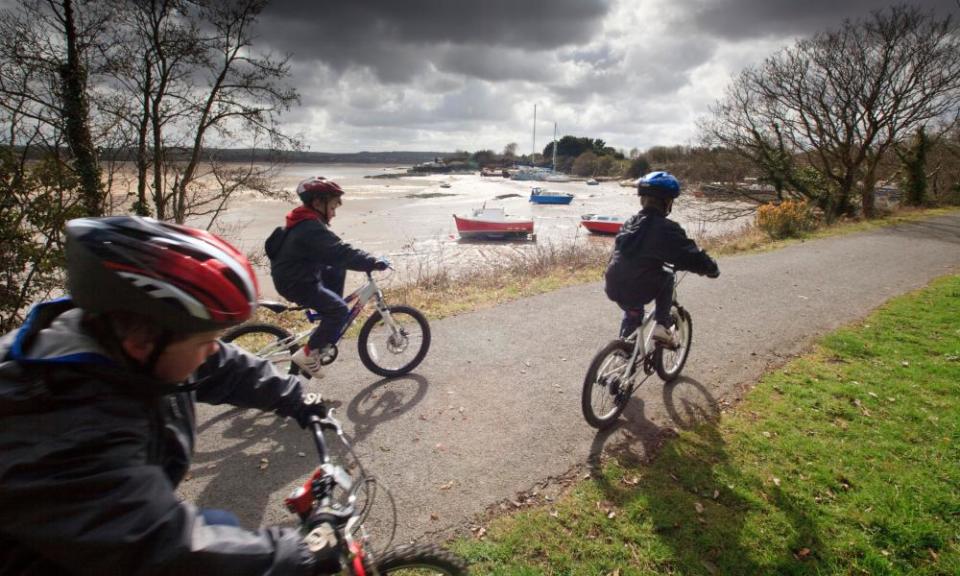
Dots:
pixel 465 74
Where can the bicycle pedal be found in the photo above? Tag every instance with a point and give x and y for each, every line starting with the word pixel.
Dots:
pixel 648 367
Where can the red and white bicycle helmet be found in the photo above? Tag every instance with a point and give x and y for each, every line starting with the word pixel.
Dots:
pixel 318 187
pixel 185 279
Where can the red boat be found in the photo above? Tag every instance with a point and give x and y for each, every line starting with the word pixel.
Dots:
pixel 491 223
pixel 601 224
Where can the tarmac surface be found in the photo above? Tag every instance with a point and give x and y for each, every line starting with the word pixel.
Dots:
pixel 493 413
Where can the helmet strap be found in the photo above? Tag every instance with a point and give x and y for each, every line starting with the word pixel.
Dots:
pixel 159 346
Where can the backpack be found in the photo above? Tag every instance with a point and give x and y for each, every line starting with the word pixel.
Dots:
pixel 274 242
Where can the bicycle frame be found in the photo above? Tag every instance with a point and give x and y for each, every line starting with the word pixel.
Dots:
pixel 360 298
pixel 643 345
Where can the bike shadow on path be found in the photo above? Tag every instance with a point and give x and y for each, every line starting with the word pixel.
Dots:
pixel 259 453
pixel 382 401
pixel 681 480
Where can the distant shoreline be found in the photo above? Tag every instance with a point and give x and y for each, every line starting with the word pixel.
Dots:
pixel 286 156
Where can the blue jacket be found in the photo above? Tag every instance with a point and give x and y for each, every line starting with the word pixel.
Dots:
pixel 647 241
pixel 308 247
pixel 91 455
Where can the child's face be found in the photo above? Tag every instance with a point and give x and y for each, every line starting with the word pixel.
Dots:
pixel 328 207
pixel 180 359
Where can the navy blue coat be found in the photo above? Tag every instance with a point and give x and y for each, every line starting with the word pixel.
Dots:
pixel 308 248
pixel 647 241
pixel 91 455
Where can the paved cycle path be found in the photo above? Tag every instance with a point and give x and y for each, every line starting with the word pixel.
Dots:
pixel 494 410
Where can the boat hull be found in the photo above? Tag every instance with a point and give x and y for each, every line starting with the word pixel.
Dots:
pixel 470 227
pixel 602 226
pixel 544 199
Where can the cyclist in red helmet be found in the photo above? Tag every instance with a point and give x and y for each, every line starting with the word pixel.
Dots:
pixel 635 273
pixel 309 263
pixel 97 415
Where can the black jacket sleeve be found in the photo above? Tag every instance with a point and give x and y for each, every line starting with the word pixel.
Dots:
pixel 234 376
pixel 326 247
pixel 674 247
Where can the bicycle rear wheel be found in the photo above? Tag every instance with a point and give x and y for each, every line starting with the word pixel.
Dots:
pixel 604 396
pixel 418 560
pixel 388 353
pixel 669 363
pixel 272 343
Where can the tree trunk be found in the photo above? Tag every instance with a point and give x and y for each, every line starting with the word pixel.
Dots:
pixel 75 112
pixel 142 208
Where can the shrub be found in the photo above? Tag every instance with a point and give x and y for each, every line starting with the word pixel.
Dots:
pixel 787 219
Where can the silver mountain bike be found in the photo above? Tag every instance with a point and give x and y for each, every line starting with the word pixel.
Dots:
pixel 624 364
pixel 393 341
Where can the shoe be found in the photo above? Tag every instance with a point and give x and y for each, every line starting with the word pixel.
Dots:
pixel 309 363
pixel 667 337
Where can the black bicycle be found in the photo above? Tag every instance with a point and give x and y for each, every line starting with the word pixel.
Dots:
pixel 624 364
pixel 332 520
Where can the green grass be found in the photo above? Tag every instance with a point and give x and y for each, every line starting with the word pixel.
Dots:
pixel 845 461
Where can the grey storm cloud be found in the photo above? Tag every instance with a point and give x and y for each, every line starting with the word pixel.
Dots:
pixel 395 38
pixel 745 19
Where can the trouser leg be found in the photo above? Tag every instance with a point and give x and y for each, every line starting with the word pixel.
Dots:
pixel 632 318
pixel 331 307
pixel 664 301
pixel 334 278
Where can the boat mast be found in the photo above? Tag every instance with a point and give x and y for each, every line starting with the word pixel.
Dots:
pixel 554 168
pixel 533 153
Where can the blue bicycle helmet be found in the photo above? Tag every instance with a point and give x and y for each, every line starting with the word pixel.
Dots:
pixel 659 184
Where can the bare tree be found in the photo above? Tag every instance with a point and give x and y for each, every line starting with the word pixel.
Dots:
pixel 839 101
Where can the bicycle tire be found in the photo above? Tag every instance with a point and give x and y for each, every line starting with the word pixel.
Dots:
pixel 370 356
pixel 269 334
pixel 603 390
pixel 684 326
pixel 418 558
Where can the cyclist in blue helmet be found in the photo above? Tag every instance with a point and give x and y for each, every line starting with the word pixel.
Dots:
pixel 635 274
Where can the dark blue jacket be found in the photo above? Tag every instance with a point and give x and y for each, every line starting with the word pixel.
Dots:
pixel 647 241
pixel 91 455
pixel 308 247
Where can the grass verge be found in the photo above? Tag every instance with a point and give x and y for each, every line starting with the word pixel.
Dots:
pixel 845 461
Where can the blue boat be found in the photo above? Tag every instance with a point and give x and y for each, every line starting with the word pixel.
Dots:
pixel 540 195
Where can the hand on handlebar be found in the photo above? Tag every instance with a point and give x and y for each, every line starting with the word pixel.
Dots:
pixel 381 264
pixel 324 543
pixel 312 405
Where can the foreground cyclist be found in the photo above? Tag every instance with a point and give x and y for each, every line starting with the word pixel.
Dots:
pixel 97 417
pixel 635 274
pixel 309 263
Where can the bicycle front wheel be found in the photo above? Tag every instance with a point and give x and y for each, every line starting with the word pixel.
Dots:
pixel 669 363
pixel 418 560
pixel 605 389
pixel 272 343
pixel 395 347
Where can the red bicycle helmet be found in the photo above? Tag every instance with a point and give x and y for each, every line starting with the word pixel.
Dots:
pixel 187 280
pixel 318 187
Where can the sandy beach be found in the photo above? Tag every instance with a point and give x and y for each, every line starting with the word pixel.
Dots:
pixel 410 219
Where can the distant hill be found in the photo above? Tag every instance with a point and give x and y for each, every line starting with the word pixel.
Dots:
pixel 399 157
pixel 246 154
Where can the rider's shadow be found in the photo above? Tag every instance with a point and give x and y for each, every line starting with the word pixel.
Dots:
pixel 384 400
pixel 247 456
pixel 698 499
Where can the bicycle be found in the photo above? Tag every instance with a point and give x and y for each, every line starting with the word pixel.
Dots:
pixel 391 333
pixel 330 518
pixel 614 371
